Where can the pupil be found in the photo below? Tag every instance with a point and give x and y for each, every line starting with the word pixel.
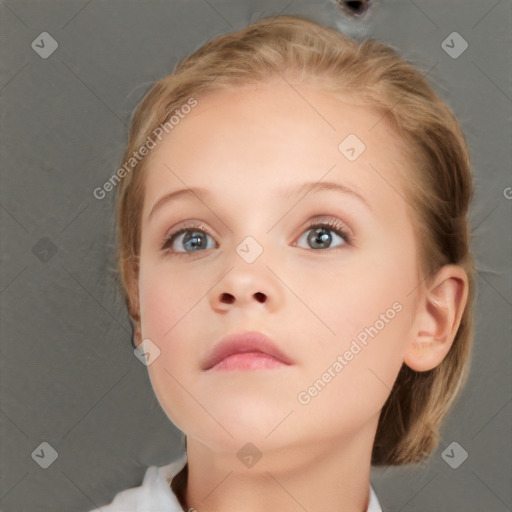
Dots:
pixel 194 239
pixel 320 236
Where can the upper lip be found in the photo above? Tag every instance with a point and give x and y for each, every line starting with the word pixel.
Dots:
pixel 240 343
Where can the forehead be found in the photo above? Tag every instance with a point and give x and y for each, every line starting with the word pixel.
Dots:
pixel 258 139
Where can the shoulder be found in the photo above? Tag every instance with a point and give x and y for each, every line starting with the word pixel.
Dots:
pixel 154 492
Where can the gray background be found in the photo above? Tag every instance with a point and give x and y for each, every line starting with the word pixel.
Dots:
pixel 68 373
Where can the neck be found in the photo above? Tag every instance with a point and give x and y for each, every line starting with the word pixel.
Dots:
pixel 323 476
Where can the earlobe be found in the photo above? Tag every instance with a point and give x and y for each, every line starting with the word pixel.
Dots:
pixel 438 317
pixel 134 310
pixel 137 334
pixel 136 323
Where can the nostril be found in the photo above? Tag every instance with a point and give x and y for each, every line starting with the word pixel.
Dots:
pixel 227 298
pixel 260 297
pixel 354 7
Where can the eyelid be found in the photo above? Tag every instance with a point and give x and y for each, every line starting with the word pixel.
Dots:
pixel 333 223
pixel 330 222
pixel 172 232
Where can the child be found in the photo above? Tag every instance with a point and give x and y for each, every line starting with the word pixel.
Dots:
pixel 294 248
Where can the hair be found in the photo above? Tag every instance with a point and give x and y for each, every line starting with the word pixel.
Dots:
pixel 440 189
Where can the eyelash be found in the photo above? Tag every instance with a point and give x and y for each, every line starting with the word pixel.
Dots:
pixel 329 223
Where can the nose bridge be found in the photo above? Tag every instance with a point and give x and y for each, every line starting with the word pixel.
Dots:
pixel 252 235
pixel 251 249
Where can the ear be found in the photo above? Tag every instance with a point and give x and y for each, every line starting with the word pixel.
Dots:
pixel 440 309
pixel 134 308
pixel 137 334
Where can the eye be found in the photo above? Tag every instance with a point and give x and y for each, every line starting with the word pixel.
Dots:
pixel 319 235
pixel 188 239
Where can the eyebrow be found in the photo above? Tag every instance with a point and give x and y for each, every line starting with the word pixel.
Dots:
pixel 202 193
pixel 313 186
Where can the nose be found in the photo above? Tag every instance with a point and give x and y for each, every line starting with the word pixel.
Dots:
pixel 248 286
pixel 228 298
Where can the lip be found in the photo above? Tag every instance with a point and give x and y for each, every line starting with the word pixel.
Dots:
pixel 250 342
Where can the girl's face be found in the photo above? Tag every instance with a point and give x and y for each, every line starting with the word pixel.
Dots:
pixel 341 303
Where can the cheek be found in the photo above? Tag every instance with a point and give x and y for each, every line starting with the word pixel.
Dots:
pixel 158 308
pixel 166 305
pixel 167 317
pixel 369 310
pixel 345 299
pixel 165 299
pixel 350 380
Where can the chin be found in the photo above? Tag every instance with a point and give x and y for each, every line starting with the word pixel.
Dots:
pixel 239 426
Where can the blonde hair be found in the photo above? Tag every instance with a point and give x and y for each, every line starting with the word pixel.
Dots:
pixel 440 190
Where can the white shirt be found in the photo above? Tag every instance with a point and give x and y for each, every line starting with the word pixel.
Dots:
pixel 155 493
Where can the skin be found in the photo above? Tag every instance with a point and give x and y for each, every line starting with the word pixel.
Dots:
pixel 245 146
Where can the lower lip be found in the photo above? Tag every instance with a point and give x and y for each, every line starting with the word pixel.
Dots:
pixel 249 361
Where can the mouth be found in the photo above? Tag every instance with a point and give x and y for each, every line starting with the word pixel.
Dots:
pixel 246 351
